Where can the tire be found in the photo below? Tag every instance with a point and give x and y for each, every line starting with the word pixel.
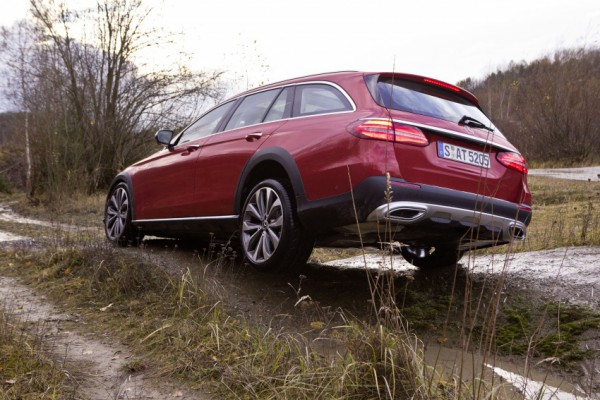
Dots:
pixel 117 217
pixel 270 234
pixel 431 256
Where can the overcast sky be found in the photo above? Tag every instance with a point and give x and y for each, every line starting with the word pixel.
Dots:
pixel 264 41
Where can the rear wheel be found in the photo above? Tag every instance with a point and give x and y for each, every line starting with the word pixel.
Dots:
pixel 271 235
pixel 117 216
pixel 431 256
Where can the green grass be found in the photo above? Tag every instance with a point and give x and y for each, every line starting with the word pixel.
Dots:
pixel 550 330
pixel 566 213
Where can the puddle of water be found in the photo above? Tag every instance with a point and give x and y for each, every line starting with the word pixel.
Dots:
pixel 564 273
pixel 9 237
pixel 535 390
pixel 374 261
pixel 514 381
pixel 577 265
pixel 6 214
pixel 580 174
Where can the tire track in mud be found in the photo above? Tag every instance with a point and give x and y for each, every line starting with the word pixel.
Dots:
pixel 96 362
pixel 569 274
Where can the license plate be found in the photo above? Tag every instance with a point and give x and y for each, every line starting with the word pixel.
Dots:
pixel 463 155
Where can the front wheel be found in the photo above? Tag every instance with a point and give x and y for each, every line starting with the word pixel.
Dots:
pixel 431 256
pixel 117 216
pixel 271 235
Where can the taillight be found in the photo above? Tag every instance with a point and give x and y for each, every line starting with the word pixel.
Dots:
pixel 514 161
pixel 373 129
pixel 388 130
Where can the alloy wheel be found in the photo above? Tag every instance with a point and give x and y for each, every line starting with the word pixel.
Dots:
pixel 117 211
pixel 262 225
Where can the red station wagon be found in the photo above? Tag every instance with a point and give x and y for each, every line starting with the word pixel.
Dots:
pixel 339 159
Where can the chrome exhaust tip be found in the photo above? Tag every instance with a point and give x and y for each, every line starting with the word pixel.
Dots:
pixel 517 232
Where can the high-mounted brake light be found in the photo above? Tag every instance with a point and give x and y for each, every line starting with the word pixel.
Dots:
pixel 441 84
pixel 390 131
pixel 513 160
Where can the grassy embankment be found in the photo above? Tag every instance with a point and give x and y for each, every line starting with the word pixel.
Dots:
pixel 180 327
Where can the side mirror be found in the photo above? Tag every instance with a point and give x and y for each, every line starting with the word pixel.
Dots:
pixel 164 136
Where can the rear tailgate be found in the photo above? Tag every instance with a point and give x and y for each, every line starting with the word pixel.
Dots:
pixel 464 146
pixel 459 159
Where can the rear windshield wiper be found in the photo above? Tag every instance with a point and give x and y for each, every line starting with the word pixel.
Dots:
pixel 472 122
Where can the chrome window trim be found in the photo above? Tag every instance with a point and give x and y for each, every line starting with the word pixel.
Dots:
pixel 451 133
pixel 334 85
pixel 188 219
pixel 241 100
pixel 278 120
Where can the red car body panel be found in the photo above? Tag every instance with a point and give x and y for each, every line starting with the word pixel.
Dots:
pixel 325 160
pixel 223 158
pixel 164 184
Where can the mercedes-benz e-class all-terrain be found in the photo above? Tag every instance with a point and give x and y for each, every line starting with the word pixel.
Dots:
pixel 337 159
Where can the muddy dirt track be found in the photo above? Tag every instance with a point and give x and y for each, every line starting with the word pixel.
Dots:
pixel 564 275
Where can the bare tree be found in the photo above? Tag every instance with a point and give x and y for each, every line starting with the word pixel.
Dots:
pixel 21 44
pixel 89 105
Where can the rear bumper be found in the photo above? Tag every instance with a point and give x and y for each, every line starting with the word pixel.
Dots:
pixel 486 225
pixel 415 214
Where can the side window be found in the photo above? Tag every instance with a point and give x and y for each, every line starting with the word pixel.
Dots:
pixel 282 108
pixel 252 109
pixel 206 125
pixel 319 99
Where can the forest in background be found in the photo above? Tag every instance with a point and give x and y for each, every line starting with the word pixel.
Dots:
pixel 88 110
pixel 548 108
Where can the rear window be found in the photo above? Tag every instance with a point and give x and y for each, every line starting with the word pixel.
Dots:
pixel 424 99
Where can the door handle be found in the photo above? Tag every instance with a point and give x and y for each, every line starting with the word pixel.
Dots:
pixel 193 147
pixel 256 135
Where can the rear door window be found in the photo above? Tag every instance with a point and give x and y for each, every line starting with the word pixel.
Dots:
pixel 319 99
pixel 252 109
pixel 282 107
